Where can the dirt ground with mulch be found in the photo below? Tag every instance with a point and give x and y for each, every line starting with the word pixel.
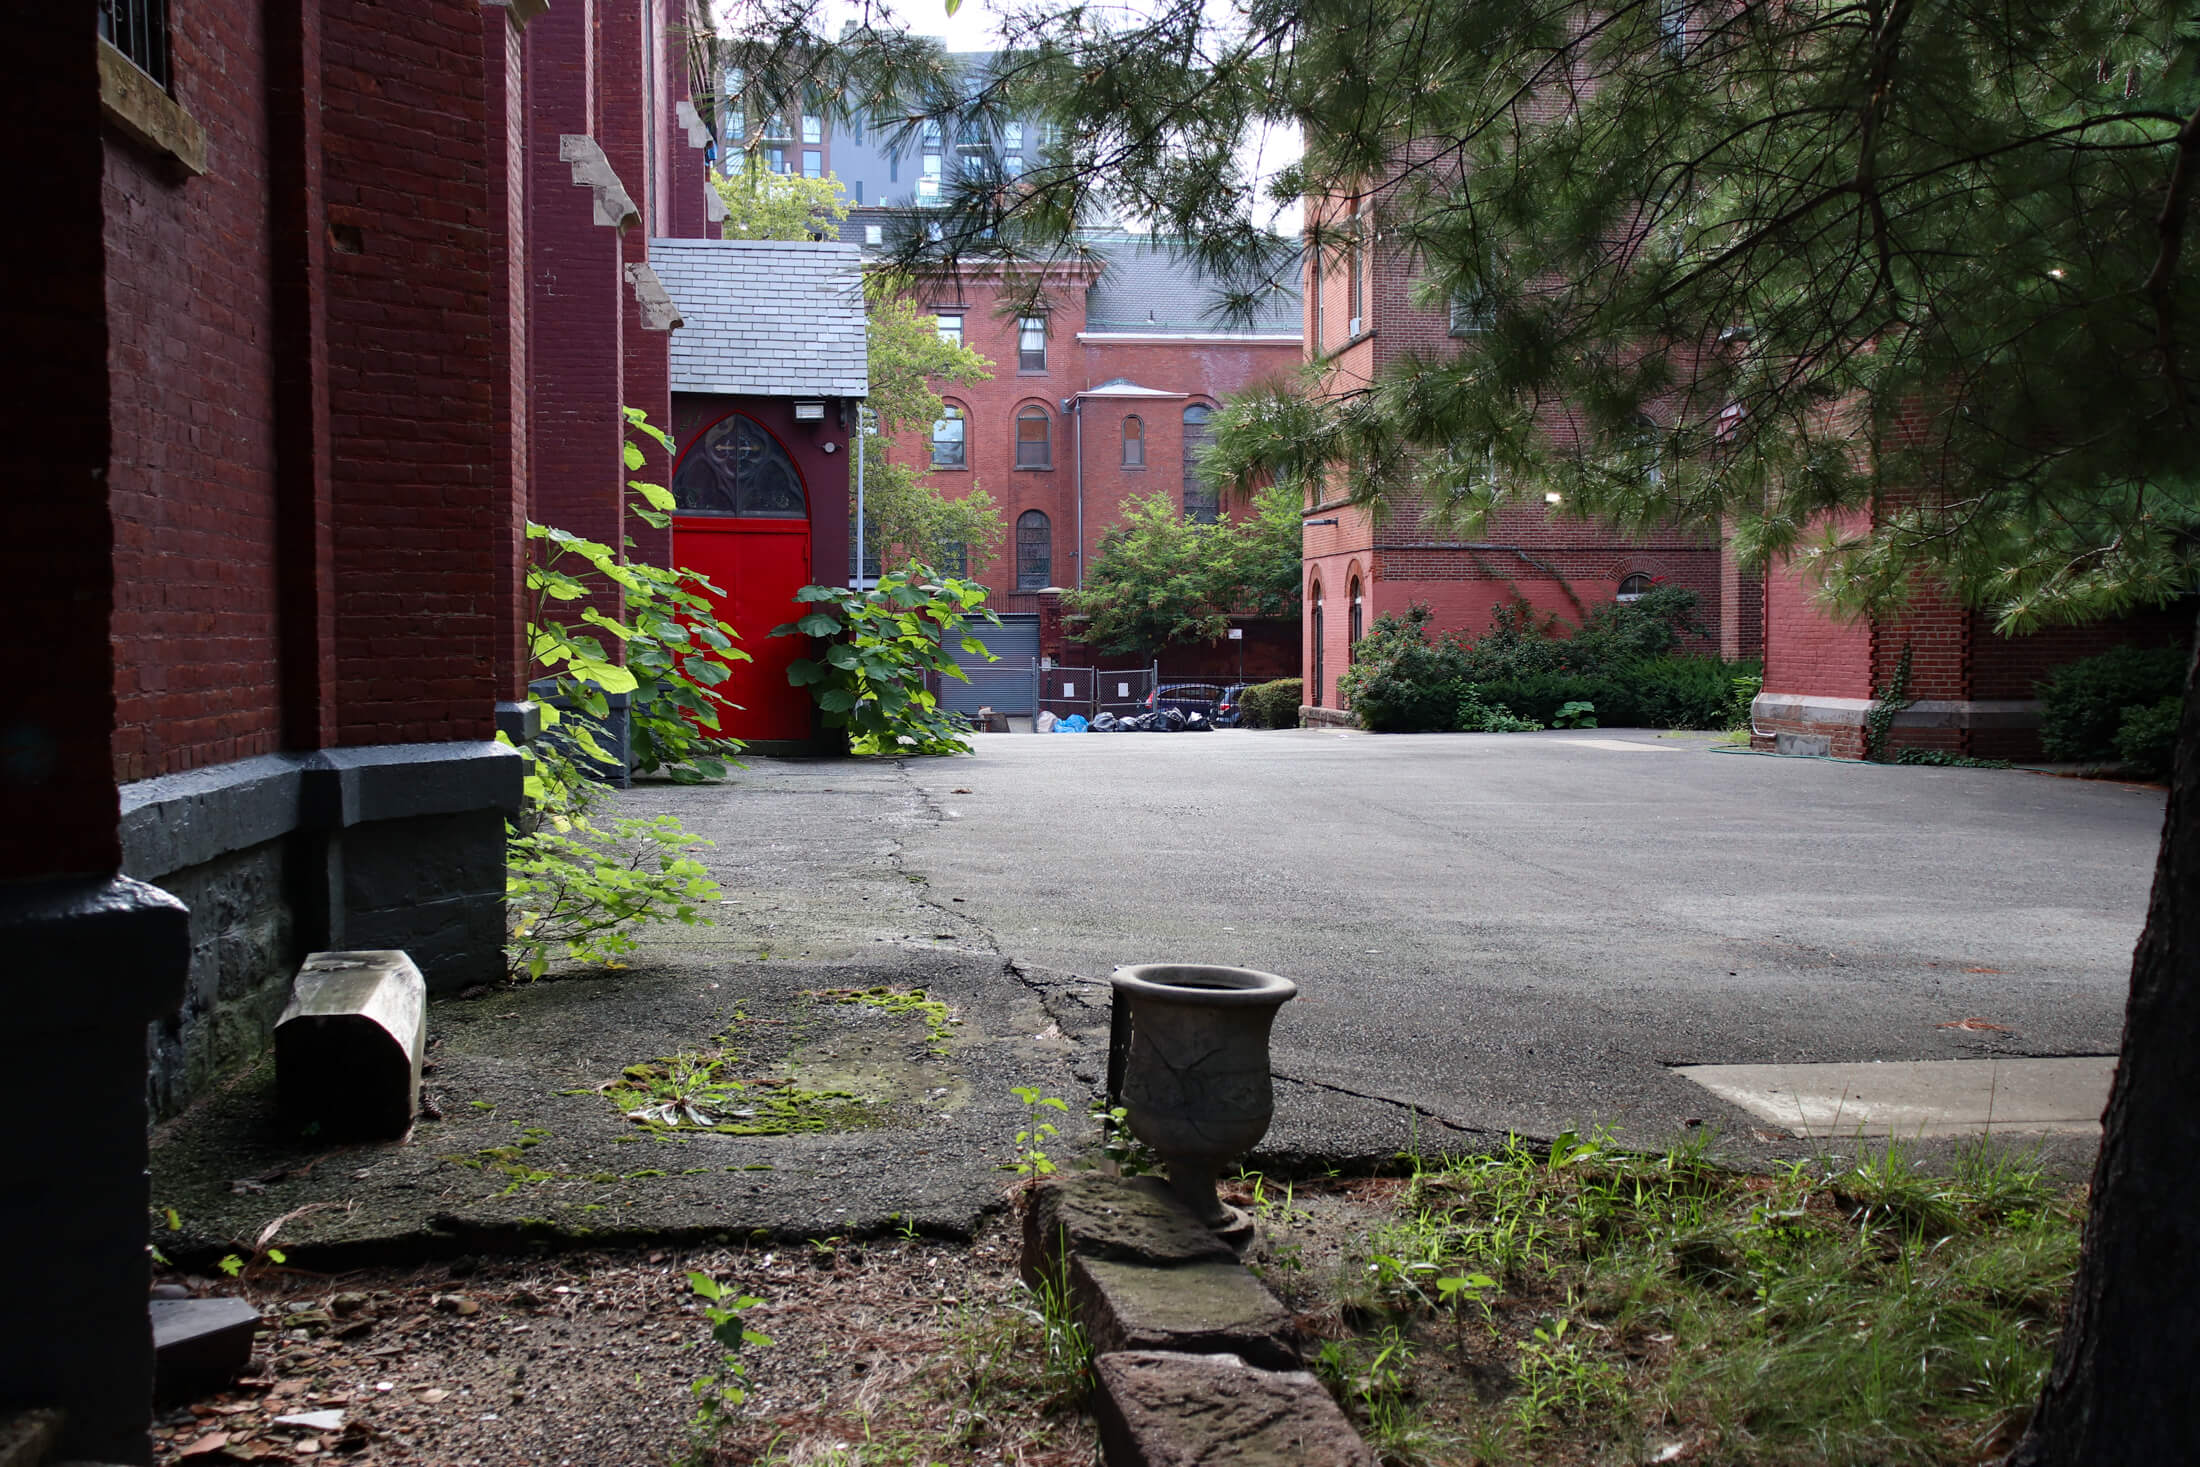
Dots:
pixel 587 1358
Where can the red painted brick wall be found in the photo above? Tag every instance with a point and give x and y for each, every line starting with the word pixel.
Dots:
pixel 412 372
pixel 194 499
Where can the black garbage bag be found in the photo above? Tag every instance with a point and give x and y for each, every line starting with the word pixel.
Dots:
pixel 1198 722
pixel 1172 720
pixel 1105 723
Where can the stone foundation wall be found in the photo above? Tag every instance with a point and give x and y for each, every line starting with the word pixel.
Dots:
pixel 244 947
pixel 392 846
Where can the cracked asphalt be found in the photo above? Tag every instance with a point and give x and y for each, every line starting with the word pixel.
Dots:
pixel 1520 933
pixel 1490 935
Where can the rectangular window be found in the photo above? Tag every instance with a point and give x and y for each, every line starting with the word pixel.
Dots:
pixel 859 202
pixel 775 126
pixel 931 131
pixel 813 129
pixel 928 188
pixel 1352 284
pixel 1470 314
pixel 931 165
pixel 873 233
pixel 954 558
pixel 776 159
pixel 1031 344
pixel 813 163
pixel 1012 136
pixel 951 327
pixel 855 128
pixel 1013 165
pixel 139 30
pixel 1314 294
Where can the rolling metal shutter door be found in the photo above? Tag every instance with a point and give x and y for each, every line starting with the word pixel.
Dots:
pixel 1004 685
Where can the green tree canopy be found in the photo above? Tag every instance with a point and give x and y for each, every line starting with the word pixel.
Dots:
pixel 1161 578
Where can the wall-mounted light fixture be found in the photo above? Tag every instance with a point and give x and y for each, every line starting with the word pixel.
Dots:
pixel 809 412
pixel 1309 524
pixel 1552 497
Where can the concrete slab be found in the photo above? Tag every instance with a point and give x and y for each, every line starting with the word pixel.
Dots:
pixel 1918 1098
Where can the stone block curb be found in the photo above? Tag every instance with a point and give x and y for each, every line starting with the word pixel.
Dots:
pixel 1161 1409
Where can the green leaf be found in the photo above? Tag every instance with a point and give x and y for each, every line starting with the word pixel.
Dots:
pixel 836 700
pixel 817 624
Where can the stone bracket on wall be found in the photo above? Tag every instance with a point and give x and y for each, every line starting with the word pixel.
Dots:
pixel 714 207
pixel 659 311
pixel 519 12
pixel 698 131
pixel 592 170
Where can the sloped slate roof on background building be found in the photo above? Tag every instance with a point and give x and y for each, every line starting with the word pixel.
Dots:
pixel 1154 287
pixel 1147 286
pixel 765 318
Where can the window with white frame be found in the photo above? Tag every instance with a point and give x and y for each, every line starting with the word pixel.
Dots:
pixel 1031 344
pixel 948 446
pixel 813 129
pixel 950 324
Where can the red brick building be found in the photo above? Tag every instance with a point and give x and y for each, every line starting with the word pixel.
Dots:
pixel 324 299
pixel 1101 399
pixel 1361 316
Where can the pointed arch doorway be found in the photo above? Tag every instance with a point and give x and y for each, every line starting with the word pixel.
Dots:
pixel 741 517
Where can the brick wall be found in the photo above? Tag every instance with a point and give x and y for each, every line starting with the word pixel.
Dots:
pixel 193 472
pixel 412 372
pixel 1191 371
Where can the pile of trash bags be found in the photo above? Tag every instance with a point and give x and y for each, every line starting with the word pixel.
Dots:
pixel 1164 720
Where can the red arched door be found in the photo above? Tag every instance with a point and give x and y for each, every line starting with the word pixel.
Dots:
pixel 742 519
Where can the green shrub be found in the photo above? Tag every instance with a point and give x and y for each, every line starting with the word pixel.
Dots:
pixel 2147 738
pixel 2082 706
pixel 1400 682
pixel 1273 705
pixel 878 646
pixel 1475 716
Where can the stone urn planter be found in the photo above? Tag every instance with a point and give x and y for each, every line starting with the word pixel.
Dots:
pixel 1196 1086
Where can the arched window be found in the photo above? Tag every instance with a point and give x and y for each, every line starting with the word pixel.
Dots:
pixel 1353 624
pixel 1634 587
pixel 1034 438
pixel 1314 619
pixel 1201 503
pixel 737 468
pixel 1134 443
pixel 1034 551
pixel 947 438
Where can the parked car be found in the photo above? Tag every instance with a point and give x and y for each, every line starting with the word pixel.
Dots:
pixel 1199 698
pixel 1229 713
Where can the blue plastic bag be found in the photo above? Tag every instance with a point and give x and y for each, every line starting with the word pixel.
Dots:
pixel 1075 723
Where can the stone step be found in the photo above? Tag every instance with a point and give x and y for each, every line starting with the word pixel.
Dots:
pixel 199 1345
pixel 1165 1409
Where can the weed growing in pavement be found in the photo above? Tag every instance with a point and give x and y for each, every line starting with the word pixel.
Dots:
pixel 1131 1156
pixel 1031 1161
pixel 1546 1300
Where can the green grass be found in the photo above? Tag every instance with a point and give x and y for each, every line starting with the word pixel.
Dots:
pixel 1545 1304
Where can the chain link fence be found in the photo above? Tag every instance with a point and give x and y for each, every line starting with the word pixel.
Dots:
pixel 1094 691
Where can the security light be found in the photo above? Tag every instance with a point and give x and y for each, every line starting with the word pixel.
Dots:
pixel 809 412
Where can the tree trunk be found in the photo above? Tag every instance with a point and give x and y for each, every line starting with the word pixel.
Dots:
pixel 2125 1387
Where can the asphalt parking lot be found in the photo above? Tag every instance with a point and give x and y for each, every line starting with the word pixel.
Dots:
pixel 1531 932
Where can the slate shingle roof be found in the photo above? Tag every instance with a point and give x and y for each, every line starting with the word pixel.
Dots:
pixel 1147 286
pixel 1152 286
pixel 765 318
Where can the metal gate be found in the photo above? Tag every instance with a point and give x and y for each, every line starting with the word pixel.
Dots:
pixel 1093 691
pixel 1004 686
